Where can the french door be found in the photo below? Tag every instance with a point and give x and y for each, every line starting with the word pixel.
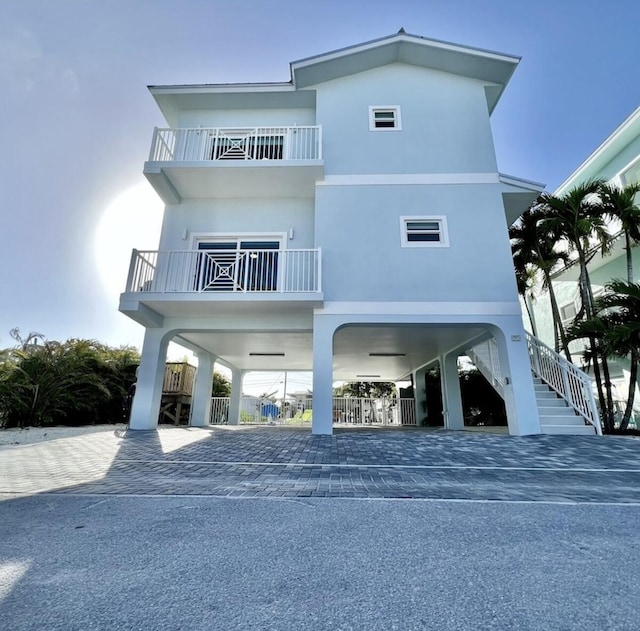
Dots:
pixel 237 265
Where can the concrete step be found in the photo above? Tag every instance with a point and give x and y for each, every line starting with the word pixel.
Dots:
pixel 583 430
pixel 552 417
pixel 551 402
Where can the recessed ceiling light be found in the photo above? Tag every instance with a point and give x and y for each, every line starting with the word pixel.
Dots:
pixel 266 354
pixel 368 376
pixel 387 355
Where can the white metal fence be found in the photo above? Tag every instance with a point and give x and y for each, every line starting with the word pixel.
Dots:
pixel 236 143
pixel 294 271
pixel 571 383
pixel 346 411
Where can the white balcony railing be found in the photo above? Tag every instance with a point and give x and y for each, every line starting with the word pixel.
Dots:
pixel 195 271
pixel 236 143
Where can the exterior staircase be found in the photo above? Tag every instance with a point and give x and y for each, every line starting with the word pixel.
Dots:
pixel 563 392
pixel 556 415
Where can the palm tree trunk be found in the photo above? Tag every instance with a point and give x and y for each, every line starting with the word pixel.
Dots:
pixel 627 242
pixel 557 320
pixel 532 322
pixel 624 423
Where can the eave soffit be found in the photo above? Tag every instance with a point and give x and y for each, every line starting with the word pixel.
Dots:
pixel 495 69
pixel 613 145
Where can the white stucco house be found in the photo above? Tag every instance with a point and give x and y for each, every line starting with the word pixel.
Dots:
pixel 617 161
pixel 351 221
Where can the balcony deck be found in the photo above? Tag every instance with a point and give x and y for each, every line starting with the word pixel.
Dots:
pixel 187 282
pixel 235 162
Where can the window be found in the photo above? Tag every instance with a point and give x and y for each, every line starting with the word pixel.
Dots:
pixel 421 232
pixel 384 118
pixel 631 174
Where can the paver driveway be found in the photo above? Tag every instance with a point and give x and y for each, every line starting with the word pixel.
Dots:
pixel 290 462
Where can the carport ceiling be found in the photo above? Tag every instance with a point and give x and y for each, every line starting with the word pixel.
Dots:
pixel 366 353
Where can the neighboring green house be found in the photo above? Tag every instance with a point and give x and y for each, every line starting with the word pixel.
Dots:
pixel 616 160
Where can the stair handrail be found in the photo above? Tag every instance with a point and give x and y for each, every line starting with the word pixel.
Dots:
pixel 570 382
pixel 491 365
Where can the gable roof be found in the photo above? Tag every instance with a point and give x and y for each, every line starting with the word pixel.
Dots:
pixel 492 67
pixel 495 69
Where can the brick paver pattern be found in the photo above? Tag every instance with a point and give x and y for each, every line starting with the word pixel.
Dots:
pixel 287 462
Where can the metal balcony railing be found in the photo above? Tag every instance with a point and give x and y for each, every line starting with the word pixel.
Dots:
pixel 217 144
pixel 199 271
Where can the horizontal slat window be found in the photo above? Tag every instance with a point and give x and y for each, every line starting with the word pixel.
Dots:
pixel 424 232
pixel 384 118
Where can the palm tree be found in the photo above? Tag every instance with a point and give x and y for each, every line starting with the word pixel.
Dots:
pixel 579 217
pixel 620 204
pixel 533 246
pixel 616 325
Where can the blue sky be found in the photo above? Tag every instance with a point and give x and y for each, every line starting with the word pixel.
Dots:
pixel 77 119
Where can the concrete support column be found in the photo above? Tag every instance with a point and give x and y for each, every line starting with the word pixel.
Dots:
pixel 202 388
pixel 146 402
pixel 236 396
pixel 420 395
pixel 517 382
pixel 322 421
pixel 451 394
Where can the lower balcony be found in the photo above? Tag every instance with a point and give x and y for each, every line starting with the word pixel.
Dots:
pixel 185 282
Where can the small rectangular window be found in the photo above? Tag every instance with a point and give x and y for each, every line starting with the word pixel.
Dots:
pixel 424 232
pixel 384 118
pixel 631 175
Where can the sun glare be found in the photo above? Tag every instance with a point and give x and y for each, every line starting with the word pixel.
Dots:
pixel 132 220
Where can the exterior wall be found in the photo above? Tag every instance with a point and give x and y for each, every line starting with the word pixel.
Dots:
pixel 622 160
pixel 445 123
pixel 359 230
pixel 247 118
pixel 238 216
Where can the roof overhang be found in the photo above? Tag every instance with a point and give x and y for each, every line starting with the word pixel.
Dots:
pixel 518 195
pixel 593 166
pixel 172 99
pixel 493 68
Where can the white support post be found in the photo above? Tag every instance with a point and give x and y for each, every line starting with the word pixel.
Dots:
pixel 518 392
pixel 420 395
pixel 322 420
pixel 236 396
pixel 451 394
pixel 146 402
pixel 202 388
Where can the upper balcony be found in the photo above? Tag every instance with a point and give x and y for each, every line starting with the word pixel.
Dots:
pixel 235 162
pixel 190 282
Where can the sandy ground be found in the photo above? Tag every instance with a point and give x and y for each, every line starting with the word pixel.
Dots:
pixel 31 435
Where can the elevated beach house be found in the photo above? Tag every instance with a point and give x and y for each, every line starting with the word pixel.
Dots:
pixel 352 222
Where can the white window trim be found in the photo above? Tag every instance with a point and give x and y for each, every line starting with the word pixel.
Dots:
pixel 576 309
pixel 444 232
pixel 206 237
pixel 377 108
pixel 622 175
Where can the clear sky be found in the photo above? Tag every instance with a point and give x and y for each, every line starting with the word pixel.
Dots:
pixel 76 117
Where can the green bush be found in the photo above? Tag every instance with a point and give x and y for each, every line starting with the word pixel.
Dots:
pixel 76 382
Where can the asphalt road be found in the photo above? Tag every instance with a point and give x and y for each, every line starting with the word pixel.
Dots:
pixel 178 563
